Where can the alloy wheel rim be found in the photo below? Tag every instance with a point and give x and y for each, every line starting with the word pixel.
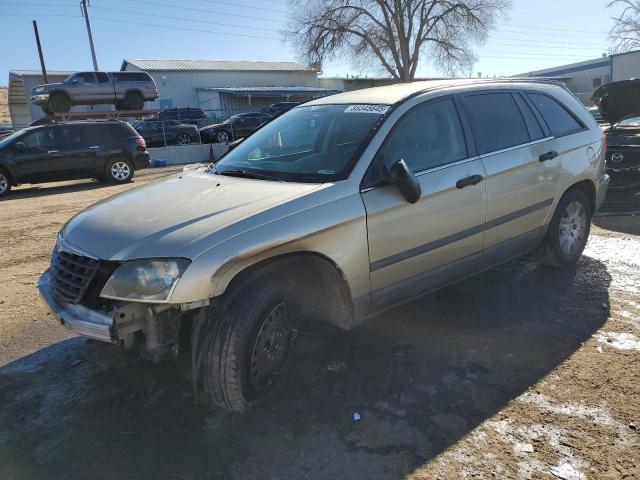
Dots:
pixel 573 228
pixel 223 137
pixel 271 348
pixel 183 139
pixel 120 170
pixel 4 183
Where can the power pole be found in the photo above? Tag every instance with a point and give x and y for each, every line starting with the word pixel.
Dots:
pixel 44 70
pixel 85 12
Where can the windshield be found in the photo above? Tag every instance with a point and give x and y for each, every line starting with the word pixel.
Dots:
pixel 313 144
pixel 6 141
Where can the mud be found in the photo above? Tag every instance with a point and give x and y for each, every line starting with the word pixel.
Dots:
pixel 521 372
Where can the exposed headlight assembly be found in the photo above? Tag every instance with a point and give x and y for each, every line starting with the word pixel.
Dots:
pixel 147 280
pixel 39 89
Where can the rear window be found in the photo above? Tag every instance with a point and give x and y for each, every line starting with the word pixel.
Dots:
pixel 131 76
pixel 556 116
pixel 114 132
pixel 498 120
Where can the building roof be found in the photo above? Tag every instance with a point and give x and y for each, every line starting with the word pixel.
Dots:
pixel 391 94
pixel 262 91
pixel 211 65
pixel 38 73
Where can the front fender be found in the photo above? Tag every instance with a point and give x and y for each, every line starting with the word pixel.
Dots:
pixel 336 231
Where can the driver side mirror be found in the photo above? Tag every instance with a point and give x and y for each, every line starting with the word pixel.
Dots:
pixel 19 147
pixel 74 81
pixel 402 177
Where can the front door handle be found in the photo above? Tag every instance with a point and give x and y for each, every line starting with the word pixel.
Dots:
pixel 472 180
pixel 548 156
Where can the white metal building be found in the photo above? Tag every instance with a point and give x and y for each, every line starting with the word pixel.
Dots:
pixel 584 78
pixel 226 86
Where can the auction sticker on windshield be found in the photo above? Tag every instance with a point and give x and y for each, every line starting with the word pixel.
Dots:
pixel 380 109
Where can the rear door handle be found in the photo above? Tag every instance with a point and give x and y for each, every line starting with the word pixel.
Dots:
pixel 548 156
pixel 472 180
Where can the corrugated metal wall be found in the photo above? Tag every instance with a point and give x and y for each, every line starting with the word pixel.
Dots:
pixel 180 87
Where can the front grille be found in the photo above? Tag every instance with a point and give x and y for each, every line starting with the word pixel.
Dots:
pixel 71 275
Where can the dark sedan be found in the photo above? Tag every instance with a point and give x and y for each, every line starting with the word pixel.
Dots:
pixel 277 109
pixel 239 126
pixel 619 104
pixel 167 132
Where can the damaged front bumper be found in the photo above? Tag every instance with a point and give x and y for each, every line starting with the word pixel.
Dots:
pixel 77 318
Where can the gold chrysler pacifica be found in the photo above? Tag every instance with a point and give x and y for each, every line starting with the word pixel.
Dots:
pixel 338 209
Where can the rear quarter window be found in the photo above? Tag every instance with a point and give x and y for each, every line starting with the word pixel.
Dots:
pixel 559 120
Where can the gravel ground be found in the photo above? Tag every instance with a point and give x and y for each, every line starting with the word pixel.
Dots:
pixel 520 372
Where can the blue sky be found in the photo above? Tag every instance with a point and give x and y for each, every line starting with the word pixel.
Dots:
pixel 539 34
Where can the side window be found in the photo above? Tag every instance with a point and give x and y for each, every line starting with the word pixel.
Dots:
pixel 73 138
pixel 498 120
pixel 428 136
pixel 39 141
pixel 85 77
pixel 102 77
pixel 558 119
pixel 535 130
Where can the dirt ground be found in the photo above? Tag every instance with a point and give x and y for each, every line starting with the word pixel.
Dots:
pixel 520 372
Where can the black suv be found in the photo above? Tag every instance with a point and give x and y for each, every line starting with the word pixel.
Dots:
pixel 185 115
pixel 107 150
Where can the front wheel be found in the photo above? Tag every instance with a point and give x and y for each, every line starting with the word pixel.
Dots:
pixel 568 231
pixel 242 355
pixel 183 139
pixel 5 184
pixel 59 103
pixel 223 136
pixel 118 170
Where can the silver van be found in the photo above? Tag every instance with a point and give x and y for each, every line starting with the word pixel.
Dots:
pixel 338 209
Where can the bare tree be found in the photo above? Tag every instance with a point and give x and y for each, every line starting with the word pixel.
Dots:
pixel 396 34
pixel 625 32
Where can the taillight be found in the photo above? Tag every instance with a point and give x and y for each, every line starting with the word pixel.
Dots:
pixel 141 143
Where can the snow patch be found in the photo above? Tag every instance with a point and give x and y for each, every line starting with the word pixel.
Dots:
pixel 619 340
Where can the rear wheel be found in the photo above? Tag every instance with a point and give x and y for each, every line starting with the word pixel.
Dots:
pixel 118 170
pixel 245 351
pixel 59 103
pixel 134 101
pixel 222 136
pixel 5 183
pixel 568 231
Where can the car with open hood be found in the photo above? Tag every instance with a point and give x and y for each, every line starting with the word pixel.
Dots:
pixel 619 105
pixel 338 209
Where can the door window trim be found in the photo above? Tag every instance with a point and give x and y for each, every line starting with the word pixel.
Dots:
pixel 470 146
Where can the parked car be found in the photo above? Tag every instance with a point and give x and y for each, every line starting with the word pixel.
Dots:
pixel 619 105
pixel 125 90
pixel 185 115
pixel 167 132
pixel 277 109
pixel 238 126
pixel 338 209
pixel 107 150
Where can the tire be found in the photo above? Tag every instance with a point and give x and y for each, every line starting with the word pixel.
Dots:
pixel 183 139
pixel 222 136
pixel 568 231
pixel 118 170
pixel 59 103
pixel 242 354
pixel 47 111
pixel 134 101
pixel 5 183
pixel 120 107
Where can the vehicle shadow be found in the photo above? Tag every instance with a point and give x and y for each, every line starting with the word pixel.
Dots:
pixel 420 376
pixel 627 224
pixel 48 189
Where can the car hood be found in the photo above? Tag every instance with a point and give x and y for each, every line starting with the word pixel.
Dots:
pixel 181 216
pixel 618 100
pixel 212 127
pixel 47 86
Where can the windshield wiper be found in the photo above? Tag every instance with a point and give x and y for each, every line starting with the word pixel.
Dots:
pixel 247 174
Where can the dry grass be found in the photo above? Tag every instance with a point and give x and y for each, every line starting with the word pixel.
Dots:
pixel 4 105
